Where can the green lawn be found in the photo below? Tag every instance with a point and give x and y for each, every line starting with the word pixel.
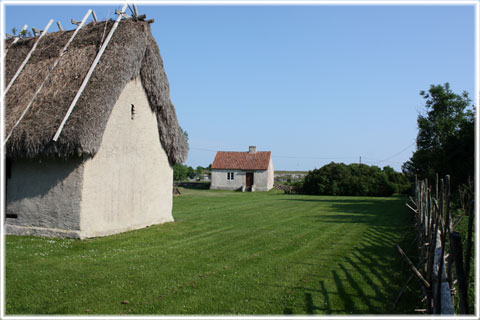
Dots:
pixel 226 253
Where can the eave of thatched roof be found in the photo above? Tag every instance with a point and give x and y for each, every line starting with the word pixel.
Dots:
pixel 131 53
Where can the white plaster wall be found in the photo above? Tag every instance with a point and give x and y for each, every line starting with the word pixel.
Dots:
pixel 263 179
pixel 271 175
pixel 45 196
pixel 260 180
pixel 128 183
pixel 220 182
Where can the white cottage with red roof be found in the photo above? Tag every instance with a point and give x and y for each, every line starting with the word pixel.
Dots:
pixel 246 171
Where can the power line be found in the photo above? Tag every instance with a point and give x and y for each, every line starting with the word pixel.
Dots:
pixel 396 154
pixel 308 157
pixel 201 149
pixel 282 156
pixel 365 159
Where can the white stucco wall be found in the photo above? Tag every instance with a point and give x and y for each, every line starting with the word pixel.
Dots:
pixel 128 183
pixel 263 179
pixel 46 197
pixel 271 175
pixel 220 182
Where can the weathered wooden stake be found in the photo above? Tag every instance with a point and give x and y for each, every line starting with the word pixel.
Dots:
pixel 402 291
pixel 468 250
pixel 442 255
pixel 412 267
pixel 456 248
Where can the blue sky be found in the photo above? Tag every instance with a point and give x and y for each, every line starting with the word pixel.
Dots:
pixel 312 84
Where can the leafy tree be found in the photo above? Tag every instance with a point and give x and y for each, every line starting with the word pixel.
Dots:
pixel 182 172
pixel 399 180
pixel 199 171
pixel 179 172
pixel 446 135
pixel 190 172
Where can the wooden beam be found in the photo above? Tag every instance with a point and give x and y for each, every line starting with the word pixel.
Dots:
pixel 26 59
pixel 48 75
pixel 94 16
pixel 36 31
pixel 89 74
pixel 412 267
pixel 402 291
pixel 59 25
pixel 414 210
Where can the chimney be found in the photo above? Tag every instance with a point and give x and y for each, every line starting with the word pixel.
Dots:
pixel 252 149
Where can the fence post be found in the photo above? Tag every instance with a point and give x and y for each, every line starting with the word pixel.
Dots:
pixel 456 250
pixel 468 250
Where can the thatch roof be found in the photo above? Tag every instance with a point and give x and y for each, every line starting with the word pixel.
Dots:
pixel 132 52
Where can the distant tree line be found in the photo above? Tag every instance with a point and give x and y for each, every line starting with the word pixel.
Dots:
pixel 182 172
pixel 339 179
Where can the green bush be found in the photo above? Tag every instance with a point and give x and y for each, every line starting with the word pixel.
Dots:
pixel 352 180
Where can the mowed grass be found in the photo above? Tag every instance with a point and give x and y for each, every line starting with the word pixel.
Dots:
pixel 226 253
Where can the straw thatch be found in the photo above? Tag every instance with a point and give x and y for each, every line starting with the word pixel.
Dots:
pixel 131 53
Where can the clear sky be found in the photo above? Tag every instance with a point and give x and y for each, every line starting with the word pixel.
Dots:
pixel 312 84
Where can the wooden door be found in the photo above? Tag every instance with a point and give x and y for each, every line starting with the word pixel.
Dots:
pixel 249 180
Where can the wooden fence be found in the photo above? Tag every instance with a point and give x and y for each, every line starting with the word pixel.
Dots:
pixel 439 248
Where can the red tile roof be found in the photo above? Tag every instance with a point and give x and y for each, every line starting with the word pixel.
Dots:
pixel 242 160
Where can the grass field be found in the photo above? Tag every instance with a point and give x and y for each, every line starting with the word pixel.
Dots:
pixel 227 253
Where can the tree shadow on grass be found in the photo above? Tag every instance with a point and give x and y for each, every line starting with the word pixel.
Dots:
pixel 365 281
pixel 368 275
pixel 382 213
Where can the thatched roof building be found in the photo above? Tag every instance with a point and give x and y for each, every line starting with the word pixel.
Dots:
pixel 111 168
pixel 131 53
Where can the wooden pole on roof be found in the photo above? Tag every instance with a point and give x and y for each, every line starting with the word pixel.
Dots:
pixel 44 32
pixel 15 40
pixel 48 75
pixel 89 74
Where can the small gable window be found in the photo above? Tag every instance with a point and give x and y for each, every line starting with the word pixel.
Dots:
pixel 229 175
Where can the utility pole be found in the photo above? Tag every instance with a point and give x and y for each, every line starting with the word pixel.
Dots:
pixel 360 161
